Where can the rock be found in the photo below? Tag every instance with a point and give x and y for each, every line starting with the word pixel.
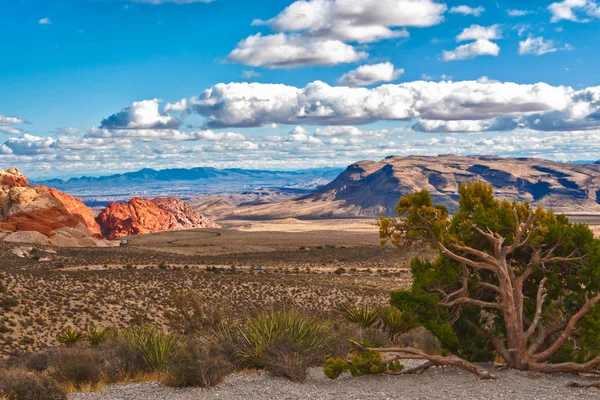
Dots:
pixel 43 216
pixel 75 207
pixel 185 215
pixel 142 216
pixel 137 217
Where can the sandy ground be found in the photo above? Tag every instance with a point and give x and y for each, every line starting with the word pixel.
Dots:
pixel 435 384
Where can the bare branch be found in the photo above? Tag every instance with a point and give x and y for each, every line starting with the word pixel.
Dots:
pixel 566 367
pixel 570 327
pixel 475 302
pixel 541 296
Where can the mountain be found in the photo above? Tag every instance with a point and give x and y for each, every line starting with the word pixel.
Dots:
pixel 187 183
pixel 368 188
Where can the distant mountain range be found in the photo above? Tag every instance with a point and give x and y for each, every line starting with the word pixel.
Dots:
pixel 187 183
pixel 368 188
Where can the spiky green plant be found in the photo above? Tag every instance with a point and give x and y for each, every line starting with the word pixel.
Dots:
pixel 395 322
pixel 95 336
pixel 155 345
pixel 363 316
pixel 70 336
pixel 308 335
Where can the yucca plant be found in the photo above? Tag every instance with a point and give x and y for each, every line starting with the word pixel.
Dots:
pixel 306 334
pixel 395 322
pixel 363 316
pixel 95 336
pixel 155 345
pixel 70 336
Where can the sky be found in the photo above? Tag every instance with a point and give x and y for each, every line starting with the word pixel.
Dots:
pixel 91 87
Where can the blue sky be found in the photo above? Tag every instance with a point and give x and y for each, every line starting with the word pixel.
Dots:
pixel 67 66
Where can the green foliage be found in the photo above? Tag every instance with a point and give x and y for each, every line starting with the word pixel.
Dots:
pixel 155 345
pixel 395 322
pixel 359 363
pixel 17 384
pixel 363 316
pixel 95 336
pixel 71 336
pixel 464 329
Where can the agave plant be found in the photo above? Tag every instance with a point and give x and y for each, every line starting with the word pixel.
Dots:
pixel 70 336
pixel 154 344
pixel 96 336
pixel 363 316
pixel 394 322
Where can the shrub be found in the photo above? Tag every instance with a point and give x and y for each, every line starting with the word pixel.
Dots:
pixel 17 384
pixel 122 361
pixel 78 366
pixel 70 336
pixel 194 365
pixel 363 316
pixel 95 336
pixel 191 314
pixel 155 345
pixel 395 322
pixel 359 363
pixel 284 342
pixel 38 361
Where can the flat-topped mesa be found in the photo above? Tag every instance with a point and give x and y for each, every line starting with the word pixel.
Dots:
pixel 142 216
pixel 43 216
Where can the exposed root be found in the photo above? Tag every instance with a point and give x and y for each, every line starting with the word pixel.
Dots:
pixel 440 361
pixel 584 385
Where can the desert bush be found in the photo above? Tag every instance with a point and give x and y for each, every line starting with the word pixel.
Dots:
pixel 359 363
pixel 122 361
pixel 420 338
pixel 196 364
pixel 38 361
pixel 363 316
pixel 395 322
pixel 154 344
pixel 18 384
pixel 95 336
pixel 190 314
pixel 75 365
pixel 283 342
pixel 70 336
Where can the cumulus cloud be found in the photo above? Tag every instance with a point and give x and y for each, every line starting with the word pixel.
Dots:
pixel 11 120
pixel 257 104
pixel 477 32
pixel 10 130
pixel 571 9
pixel 45 21
pixel 301 135
pixel 356 21
pixel 369 74
pixel 141 115
pixel 285 51
pixel 480 47
pixel 536 46
pixel 466 10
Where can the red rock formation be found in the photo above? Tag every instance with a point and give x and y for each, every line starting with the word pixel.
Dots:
pixel 137 217
pixel 39 214
pixel 185 215
pixel 141 216
pixel 75 207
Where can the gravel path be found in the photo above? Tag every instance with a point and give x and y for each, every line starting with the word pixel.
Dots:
pixel 434 384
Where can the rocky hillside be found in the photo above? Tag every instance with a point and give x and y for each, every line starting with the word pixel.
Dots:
pixel 36 214
pixel 368 188
pixel 142 216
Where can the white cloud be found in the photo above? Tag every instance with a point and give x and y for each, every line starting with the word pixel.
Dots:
pixel 248 73
pixel 10 130
pixel 45 21
pixel 476 32
pixel 536 46
pixel 356 21
pixel 518 13
pixel 480 47
pixel 29 144
pixel 11 120
pixel 141 115
pixel 369 74
pixel 285 51
pixel 569 9
pixel 256 104
pixel 466 10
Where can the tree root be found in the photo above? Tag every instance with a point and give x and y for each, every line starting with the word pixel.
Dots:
pixel 584 385
pixel 440 361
